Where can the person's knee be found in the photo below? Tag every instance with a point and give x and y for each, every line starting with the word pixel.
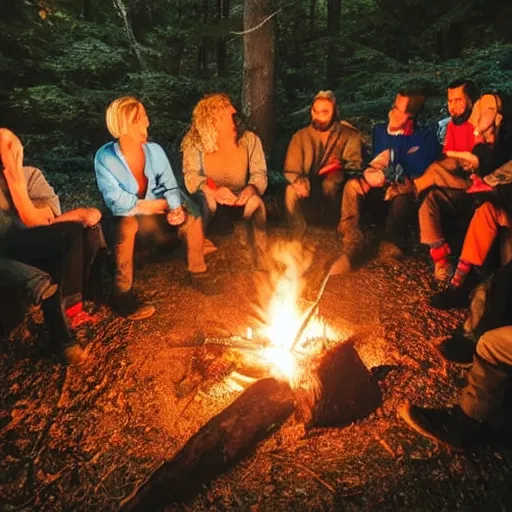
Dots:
pixel 351 188
pixel 487 213
pixel 494 346
pixel 290 196
pixel 127 227
pixel 330 188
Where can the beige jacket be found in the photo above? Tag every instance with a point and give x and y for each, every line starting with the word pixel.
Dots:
pixel 250 169
pixel 306 153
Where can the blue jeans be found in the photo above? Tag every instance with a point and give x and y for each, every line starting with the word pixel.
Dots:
pixel 30 281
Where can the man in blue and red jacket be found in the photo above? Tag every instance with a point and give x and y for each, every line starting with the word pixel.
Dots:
pixel 402 149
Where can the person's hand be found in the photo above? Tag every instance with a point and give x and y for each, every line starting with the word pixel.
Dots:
pixel 176 217
pixel 374 177
pixel 90 216
pixel 11 151
pixel 244 196
pixel 151 206
pixel 224 196
pixel 302 187
pixel 399 189
pixel 470 162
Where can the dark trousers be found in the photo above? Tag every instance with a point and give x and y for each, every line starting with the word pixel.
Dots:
pixel 402 216
pixel 498 312
pixel 65 250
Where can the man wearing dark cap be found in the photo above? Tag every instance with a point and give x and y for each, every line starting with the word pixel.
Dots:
pixel 315 162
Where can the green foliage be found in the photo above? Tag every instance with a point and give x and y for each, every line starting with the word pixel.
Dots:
pixel 91 62
pixel 60 70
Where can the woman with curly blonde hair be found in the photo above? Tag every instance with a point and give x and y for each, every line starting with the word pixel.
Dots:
pixel 223 163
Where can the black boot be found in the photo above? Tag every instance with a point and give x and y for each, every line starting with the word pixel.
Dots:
pixel 451 298
pixel 61 339
pixel 458 349
pixel 129 306
pixel 448 426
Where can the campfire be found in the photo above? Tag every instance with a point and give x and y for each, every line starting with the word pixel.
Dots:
pixel 290 333
pixel 290 360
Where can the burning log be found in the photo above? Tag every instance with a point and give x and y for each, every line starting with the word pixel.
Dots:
pixel 337 389
pixel 217 445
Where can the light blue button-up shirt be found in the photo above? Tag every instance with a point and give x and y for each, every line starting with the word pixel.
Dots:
pixel 119 187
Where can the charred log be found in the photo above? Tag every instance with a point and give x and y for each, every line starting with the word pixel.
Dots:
pixel 225 439
pixel 339 390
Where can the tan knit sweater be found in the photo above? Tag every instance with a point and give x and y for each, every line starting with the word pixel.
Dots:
pixel 307 154
pixel 246 166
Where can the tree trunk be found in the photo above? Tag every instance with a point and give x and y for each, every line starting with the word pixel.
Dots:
pixel 259 88
pixel 87 10
pixel 312 16
pixel 333 29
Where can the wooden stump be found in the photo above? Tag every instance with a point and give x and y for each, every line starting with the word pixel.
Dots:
pixel 225 439
pixel 341 390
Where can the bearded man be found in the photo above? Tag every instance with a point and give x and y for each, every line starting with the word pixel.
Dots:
pixel 317 158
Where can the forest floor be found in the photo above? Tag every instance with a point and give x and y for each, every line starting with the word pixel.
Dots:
pixel 83 437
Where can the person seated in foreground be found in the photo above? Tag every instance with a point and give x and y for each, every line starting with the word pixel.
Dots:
pixel 402 150
pixel 38 289
pixel 482 399
pixel 490 308
pixel 224 164
pixel 316 163
pixel 35 232
pixel 142 194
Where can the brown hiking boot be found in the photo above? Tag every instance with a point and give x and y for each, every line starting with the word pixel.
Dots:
pixel 129 306
pixel 451 426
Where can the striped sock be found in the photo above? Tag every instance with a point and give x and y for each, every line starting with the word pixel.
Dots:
pixel 462 270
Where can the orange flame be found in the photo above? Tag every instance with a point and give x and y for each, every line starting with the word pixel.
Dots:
pixel 283 315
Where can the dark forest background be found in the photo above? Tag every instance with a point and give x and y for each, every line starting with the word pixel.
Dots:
pixel 63 61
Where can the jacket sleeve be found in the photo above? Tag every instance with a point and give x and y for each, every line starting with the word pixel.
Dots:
pixel 257 164
pixel 353 152
pixel 294 161
pixel 193 171
pixel 118 201
pixel 449 141
pixel 167 186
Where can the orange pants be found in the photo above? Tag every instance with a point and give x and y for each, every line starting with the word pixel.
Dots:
pixel 482 232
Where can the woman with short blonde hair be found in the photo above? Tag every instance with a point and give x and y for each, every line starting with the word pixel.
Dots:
pixel 121 114
pixel 139 188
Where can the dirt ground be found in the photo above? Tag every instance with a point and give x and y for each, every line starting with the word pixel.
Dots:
pixel 82 438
